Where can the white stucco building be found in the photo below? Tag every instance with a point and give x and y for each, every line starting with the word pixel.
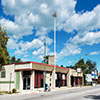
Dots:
pixel 30 76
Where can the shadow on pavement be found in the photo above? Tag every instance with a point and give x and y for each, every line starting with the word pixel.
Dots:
pixel 95 97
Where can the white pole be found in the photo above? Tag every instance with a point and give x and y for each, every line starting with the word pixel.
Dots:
pixel 54 71
pixel 55 42
pixel 54 49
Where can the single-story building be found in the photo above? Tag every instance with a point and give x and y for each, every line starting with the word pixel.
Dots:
pixel 30 76
pixel 75 78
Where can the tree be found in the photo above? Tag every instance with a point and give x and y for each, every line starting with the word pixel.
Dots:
pixel 91 66
pixel 4 54
pixel 19 60
pixel 13 60
pixel 81 64
pixel 62 66
pixel 72 67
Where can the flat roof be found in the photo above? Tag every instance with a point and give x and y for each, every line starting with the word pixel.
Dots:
pixel 38 64
pixel 41 64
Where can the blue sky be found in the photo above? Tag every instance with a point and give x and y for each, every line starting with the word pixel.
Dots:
pixel 29 23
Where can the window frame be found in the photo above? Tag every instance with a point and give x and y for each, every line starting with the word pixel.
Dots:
pixel 4 74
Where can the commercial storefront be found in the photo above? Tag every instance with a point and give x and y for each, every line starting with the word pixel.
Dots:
pixel 30 76
pixel 61 79
pixel 74 78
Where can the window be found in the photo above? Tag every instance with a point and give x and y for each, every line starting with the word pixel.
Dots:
pixel 3 74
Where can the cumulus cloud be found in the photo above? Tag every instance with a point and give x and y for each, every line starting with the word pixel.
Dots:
pixel 83 22
pixel 36 43
pixel 39 51
pixel 12 44
pixel 89 39
pixel 31 15
pixel 95 53
pixel 19 52
pixel 69 49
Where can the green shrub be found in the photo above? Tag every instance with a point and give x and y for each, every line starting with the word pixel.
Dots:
pixel 14 90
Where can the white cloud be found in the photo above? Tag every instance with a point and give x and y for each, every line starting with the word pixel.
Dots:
pixel 36 15
pixel 24 47
pixel 95 53
pixel 9 25
pixel 12 44
pixel 26 55
pixel 83 22
pixel 41 57
pixel 44 8
pixel 30 14
pixel 69 49
pixel 89 38
pixel 19 52
pixel 42 31
pixel 29 17
pixel 35 43
pixel 75 43
pixel 40 51
pixel 23 59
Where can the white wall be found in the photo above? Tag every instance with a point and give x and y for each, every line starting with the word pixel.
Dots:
pixel 5 86
pixel 23 66
pixel 32 80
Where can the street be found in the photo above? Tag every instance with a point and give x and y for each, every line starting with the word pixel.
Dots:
pixel 84 93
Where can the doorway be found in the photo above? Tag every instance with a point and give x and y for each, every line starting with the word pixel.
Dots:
pixel 26 83
pixel 72 81
pixel 26 80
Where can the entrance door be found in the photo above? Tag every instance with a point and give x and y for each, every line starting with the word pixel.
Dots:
pixel 26 83
pixel 26 80
pixel 72 81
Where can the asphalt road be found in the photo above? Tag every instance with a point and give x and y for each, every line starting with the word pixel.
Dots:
pixel 85 93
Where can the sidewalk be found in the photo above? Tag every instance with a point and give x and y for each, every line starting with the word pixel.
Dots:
pixel 41 90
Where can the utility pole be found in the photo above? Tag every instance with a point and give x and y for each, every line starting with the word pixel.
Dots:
pixel 44 65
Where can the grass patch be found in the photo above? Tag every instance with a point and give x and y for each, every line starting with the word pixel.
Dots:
pixel 4 92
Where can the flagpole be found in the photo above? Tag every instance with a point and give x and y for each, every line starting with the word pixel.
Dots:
pixel 54 15
pixel 55 44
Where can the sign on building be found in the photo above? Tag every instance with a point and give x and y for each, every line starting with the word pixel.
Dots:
pixel 88 77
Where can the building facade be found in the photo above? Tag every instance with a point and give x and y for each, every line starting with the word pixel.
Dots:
pixel 30 76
